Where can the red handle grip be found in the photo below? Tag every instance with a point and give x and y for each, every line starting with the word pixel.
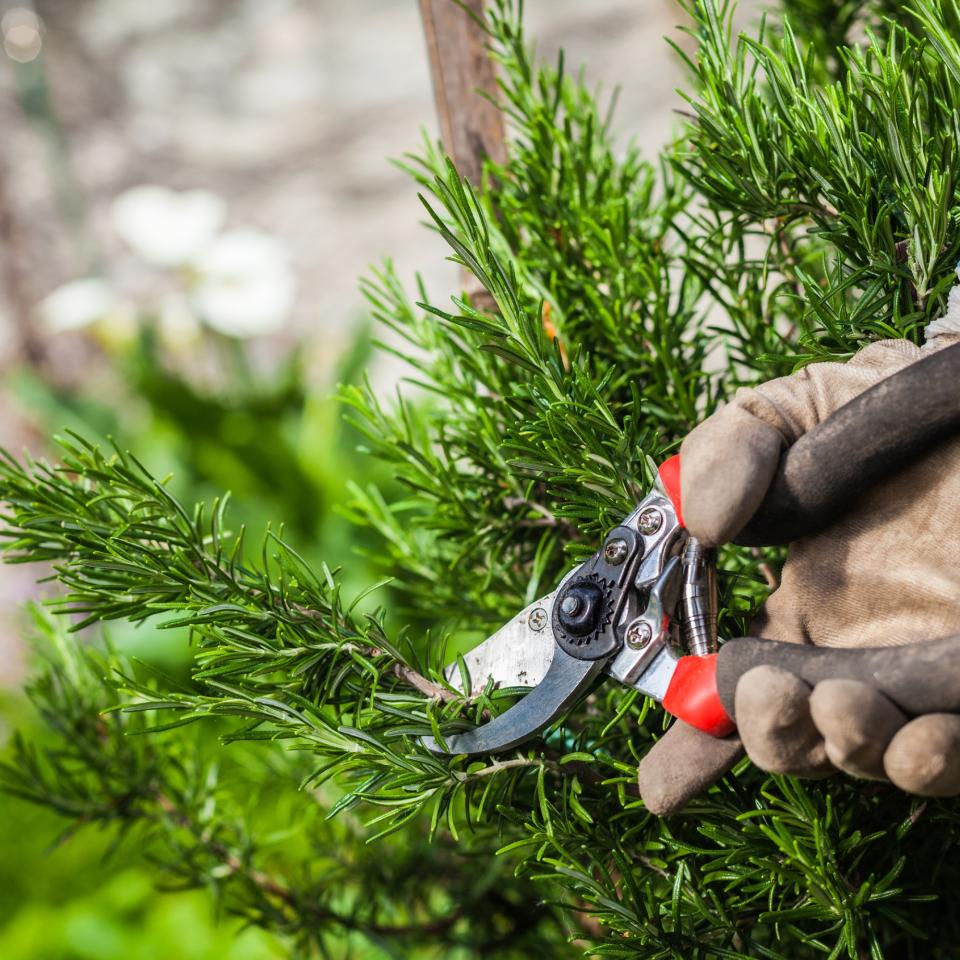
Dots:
pixel 670 479
pixel 692 696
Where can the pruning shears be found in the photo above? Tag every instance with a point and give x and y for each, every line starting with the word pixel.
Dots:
pixel 643 608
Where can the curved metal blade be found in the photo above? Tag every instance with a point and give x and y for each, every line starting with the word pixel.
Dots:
pixel 562 686
pixel 519 654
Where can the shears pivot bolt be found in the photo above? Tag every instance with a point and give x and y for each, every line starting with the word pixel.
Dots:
pixel 570 606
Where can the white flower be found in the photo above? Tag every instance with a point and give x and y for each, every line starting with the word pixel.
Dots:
pixel 166 228
pixel 246 284
pixel 177 326
pixel 77 304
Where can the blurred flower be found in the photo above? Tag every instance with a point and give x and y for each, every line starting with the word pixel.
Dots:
pixel 91 303
pixel 77 304
pixel 22 33
pixel 245 284
pixel 240 283
pixel 177 326
pixel 166 228
pixel 118 329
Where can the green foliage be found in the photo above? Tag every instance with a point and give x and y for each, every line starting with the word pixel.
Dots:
pixel 808 207
pixel 865 164
pixel 266 851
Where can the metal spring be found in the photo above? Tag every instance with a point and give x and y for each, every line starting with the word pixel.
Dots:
pixel 698 601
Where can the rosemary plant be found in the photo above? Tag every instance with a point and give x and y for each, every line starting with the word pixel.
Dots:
pixel 808 206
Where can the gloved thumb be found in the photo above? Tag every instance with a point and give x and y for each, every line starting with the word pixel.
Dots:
pixel 682 764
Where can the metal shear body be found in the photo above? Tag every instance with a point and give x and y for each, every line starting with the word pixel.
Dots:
pixel 648 592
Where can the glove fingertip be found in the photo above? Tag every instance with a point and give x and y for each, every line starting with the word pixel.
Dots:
pixel 924 756
pixel 772 707
pixel 682 764
pixel 727 463
pixel 857 723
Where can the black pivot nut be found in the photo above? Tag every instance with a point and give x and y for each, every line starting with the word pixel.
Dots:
pixel 582 608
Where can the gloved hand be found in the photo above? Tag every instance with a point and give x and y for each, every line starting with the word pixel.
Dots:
pixel 887 573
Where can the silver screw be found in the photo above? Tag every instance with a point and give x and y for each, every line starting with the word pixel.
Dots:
pixel 615 552
pixel 538 619
pixel 650 521
pixel 570 605
pixel 639 634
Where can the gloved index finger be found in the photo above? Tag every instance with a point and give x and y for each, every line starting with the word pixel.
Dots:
pixel 874 436
pixel 919 678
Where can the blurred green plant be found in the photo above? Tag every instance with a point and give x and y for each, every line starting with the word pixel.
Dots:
pixel 175 375
pixel 810 206
pixel 247 438
pixel 266 850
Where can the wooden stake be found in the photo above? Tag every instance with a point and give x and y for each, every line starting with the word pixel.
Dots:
pixel 471 127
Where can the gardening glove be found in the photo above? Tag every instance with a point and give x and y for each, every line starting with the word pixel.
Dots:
pixel 885 574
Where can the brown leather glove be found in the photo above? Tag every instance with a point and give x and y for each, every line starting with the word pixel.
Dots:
pixel 885 574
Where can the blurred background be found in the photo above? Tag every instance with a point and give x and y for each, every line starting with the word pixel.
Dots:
pixel 189 193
